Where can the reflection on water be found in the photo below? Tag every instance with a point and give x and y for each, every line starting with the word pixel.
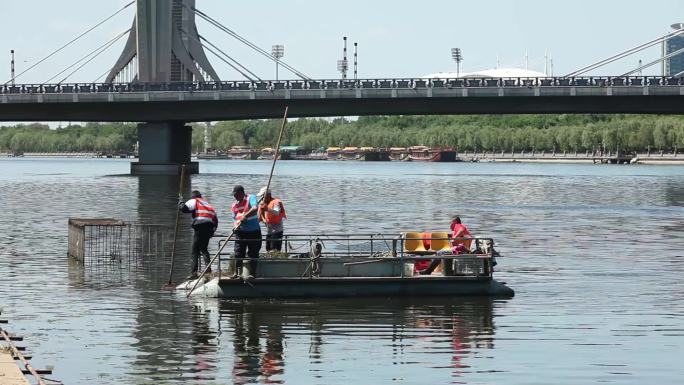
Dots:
pixel 269 341
pixel 157 204
pixel 675 194
pixel 593 252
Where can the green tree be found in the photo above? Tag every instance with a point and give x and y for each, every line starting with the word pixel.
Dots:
pixel 660 136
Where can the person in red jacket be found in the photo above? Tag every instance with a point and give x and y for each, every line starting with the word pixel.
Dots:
pixel 459 231
pixel 459 245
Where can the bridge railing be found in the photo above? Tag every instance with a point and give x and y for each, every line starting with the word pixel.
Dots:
pixel 343 84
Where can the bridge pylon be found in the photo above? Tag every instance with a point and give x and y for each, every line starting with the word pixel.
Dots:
pixel 162 148
pixel 163 45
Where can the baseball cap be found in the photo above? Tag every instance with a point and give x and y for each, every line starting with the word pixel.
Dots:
pixel 238 188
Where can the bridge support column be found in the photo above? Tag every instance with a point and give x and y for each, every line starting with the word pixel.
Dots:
pixel 163 147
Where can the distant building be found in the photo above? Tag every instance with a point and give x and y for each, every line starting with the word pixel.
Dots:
pixel 675 64
pixel 493 73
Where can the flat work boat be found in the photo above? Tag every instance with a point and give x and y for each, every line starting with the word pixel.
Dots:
pixel 377 265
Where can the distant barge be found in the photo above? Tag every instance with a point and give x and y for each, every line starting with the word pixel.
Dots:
pixel 365 266
pixel 367 154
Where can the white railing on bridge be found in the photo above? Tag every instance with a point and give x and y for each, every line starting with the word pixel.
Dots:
pixel 336 84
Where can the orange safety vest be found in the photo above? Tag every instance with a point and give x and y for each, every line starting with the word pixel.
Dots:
pixel 204 212
pixel 240 208
pixel 274 219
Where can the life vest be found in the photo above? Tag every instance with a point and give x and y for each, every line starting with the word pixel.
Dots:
pixel 204 212
pixel 240 208
pixel 274 219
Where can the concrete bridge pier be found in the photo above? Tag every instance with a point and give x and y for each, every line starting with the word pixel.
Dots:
pixel 162 148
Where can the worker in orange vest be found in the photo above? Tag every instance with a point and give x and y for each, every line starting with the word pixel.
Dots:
pixel 272 213
pixel 247 231
pixel 204 222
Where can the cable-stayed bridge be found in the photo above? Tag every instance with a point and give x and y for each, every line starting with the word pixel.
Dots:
pixel 164 79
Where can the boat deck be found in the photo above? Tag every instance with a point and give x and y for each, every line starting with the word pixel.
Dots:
pixel 355 279
pixel 377 265
pixel 340 287
pixel 10 373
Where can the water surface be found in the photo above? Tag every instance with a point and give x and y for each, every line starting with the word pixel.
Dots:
pixel 594 253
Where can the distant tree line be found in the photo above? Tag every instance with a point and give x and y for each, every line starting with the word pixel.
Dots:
pixel 93 137
pixel 560 133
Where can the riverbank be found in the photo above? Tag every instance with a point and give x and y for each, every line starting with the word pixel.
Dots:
pixel 64 155
pixel 548 133
pixel 645 158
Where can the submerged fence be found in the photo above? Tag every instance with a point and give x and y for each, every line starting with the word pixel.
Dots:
pixel 106 240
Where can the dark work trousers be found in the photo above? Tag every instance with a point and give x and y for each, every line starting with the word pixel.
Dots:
pixel 247 243
pixel 200 243
pixel 274 241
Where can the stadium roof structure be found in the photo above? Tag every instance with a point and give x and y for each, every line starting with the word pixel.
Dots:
pixel 493 73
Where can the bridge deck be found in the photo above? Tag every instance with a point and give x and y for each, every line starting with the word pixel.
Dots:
pixel 249 100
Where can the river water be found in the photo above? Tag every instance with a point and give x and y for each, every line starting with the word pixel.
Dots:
pixel 595 254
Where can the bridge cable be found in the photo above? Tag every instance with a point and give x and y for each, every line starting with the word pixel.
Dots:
pixel 675 53
pixel 110 70
pixel 254 47
pixel 105 46
pixel 97 80
pixel 199 40
pixel 111 43
pixel 229 57
pixel 625 53
pixel 248 43
pixel 72 41
pixel 229 63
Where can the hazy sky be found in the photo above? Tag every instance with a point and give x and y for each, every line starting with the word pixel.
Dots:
pixel 396 38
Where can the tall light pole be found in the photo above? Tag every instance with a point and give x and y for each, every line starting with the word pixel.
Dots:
pixel 356 61
pixel 458 58
pixel 343 65
pixel 207 137
pixel 12 66
pixel 278 52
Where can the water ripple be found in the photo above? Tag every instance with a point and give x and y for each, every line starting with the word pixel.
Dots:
pixel 593 252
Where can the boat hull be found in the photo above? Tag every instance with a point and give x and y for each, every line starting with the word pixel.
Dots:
pixel 437 156
pixel 361 287
pixel 375 156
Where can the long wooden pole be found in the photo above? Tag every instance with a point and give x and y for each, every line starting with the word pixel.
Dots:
pixel 175 230
pixel 277 151
pixel 268 186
